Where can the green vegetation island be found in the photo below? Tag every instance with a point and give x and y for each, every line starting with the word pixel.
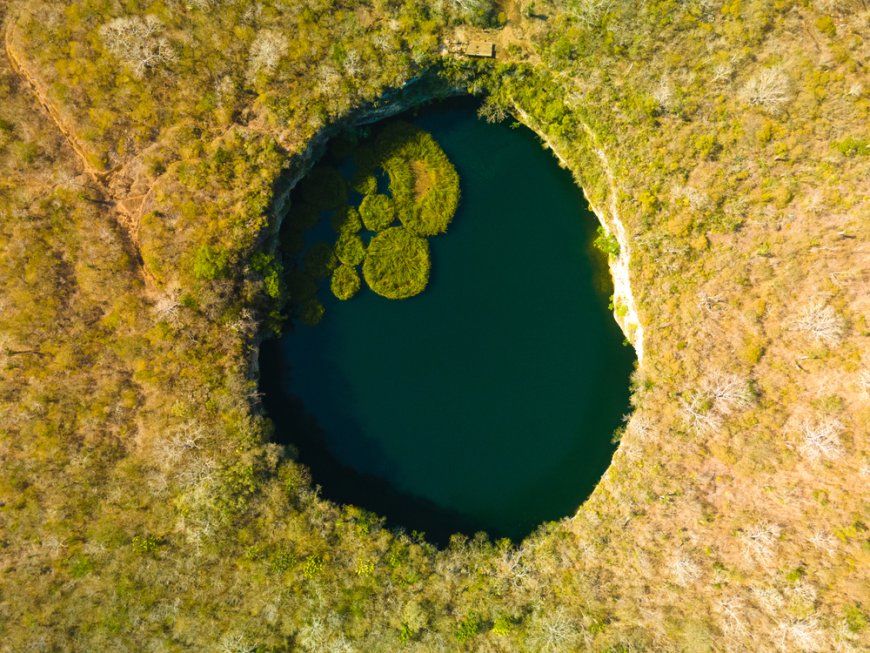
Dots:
pixel 163 165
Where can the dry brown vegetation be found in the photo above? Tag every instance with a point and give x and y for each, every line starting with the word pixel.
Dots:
pixel 142 506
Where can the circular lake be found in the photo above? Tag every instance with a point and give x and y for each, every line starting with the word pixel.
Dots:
pixel 489 401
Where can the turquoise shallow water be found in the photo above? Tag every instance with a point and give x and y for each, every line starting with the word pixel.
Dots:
pixel 489 401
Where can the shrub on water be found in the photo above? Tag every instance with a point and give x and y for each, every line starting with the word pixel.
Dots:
pixel 345 282
pixel 397 264
pixel 377 212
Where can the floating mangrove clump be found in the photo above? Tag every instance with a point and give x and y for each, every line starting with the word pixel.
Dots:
pixel 365 183
pixel 311 311
pixel 345 282
pixel 423 195
pixel 346 221
pixel 302 288
pixel 423 182
pixel 350 249
pixel 377 212
pixel 299 220
pixel 324 188
pixel 320 260
pixel 397 263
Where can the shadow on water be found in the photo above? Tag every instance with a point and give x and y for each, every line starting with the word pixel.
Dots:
pixel 339 482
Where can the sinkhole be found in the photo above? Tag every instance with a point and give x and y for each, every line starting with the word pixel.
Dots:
pixel 485 400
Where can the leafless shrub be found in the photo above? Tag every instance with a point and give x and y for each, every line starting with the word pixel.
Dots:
pixel 824 542
pixel 723 72
pixel 555 631
pixel 769 599
pixel 265 53
pixel 800 635
pixel 820 321
pixel 684 570
pixel 733 620
pixel 759 541
pixel 697 200
pixel 769 89
pixel 167 305
pixel 492 111
pixel 837 6
pixel 137 42
pixel 821 439
pixel 663 94
pixel 236 644
pixel 590 12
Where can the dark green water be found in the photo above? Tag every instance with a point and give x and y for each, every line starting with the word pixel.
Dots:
pixel 489 401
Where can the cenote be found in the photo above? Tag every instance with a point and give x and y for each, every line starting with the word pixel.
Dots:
pixel 489 401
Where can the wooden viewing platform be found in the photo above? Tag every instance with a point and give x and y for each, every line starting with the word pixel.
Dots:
pixel 480 49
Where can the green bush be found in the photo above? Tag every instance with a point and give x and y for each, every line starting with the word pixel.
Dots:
pixel 209 264
pixel 468 629
pixel 852 146
pixel 397 264
pixel 606 242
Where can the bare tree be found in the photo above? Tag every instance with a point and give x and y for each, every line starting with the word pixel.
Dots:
pixel 137 42
pixel 663 94
pixel 684 570
pixel 556 631
pixel 821 439
pixel 769 89
pixel 720 395
pixel 821 322
pixel 759 541
pixel 492 111
pixel 265 53
pixel 800 635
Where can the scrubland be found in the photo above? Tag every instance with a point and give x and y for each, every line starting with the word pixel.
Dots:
pixel 146 150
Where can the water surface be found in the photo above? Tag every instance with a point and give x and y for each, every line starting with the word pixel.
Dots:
pixel 489 401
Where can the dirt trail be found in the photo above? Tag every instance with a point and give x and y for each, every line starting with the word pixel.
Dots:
pixel 126 219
